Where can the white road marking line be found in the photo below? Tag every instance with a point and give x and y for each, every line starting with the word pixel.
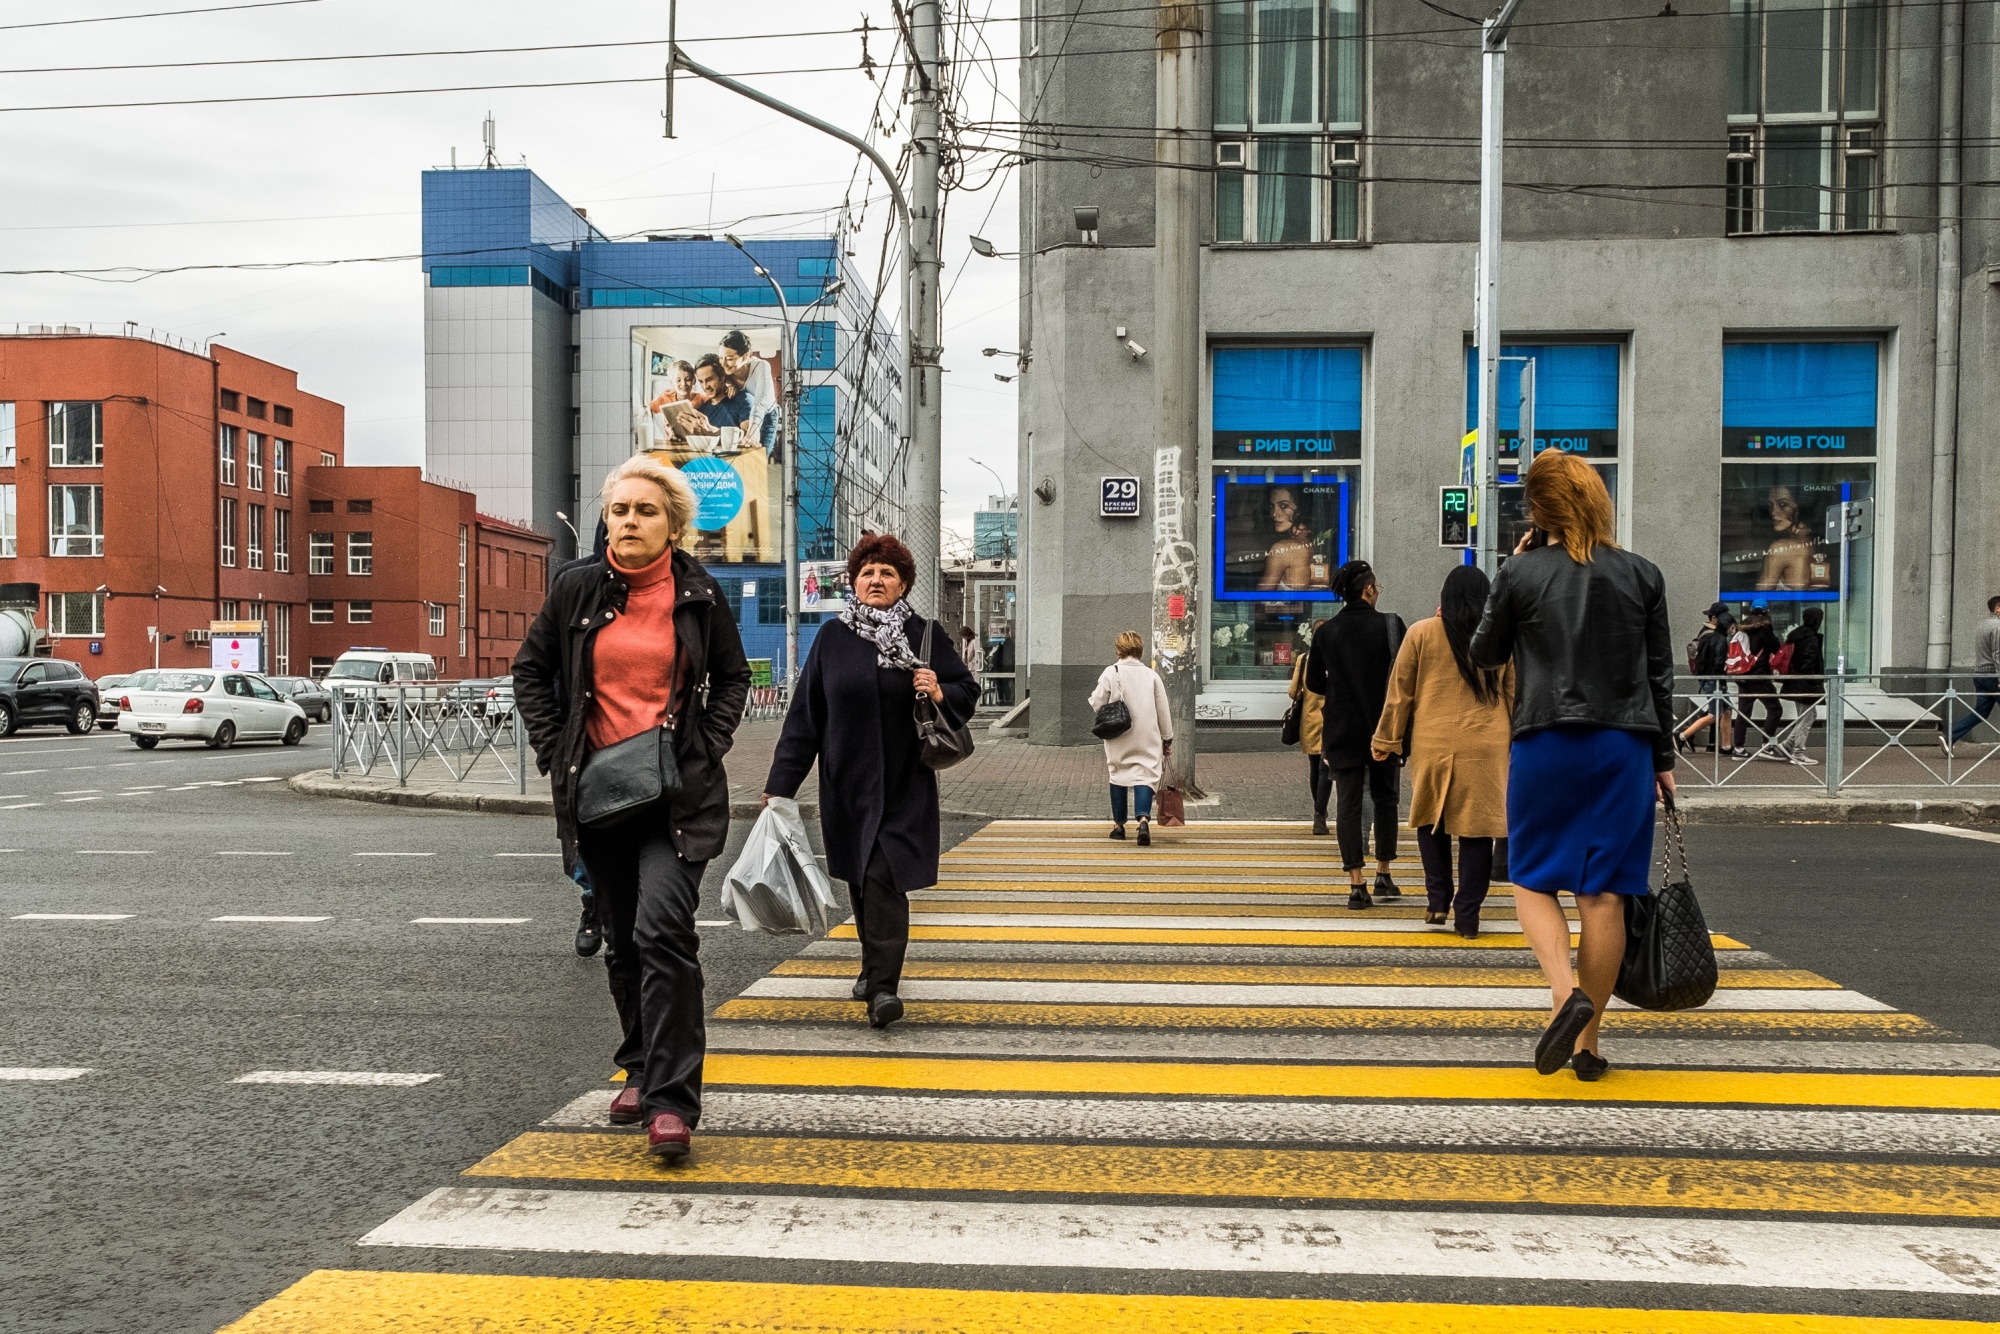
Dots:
pixel 26 805
pixel 272 779
pixel 1246 994
pixel 1495 1125
pixel 43 1073
pixel 375 1078
pixel 114 852
pixel 78 791
pixel 71 801
pixel 51 750
pixel 527 854
pixel 72 916
pixel 186 788
pixel 469 921
pixel 12 796
pixel 146 787
pixel 1953 830
pixel 395 854
pixel 250 852
pixel 1707 1251
pixel 722 921
pixel 1356 921
pixel 249 918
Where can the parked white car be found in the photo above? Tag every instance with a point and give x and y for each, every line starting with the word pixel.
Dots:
pixel 216 708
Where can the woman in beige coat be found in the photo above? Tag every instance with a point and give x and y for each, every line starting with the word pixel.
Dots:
pixel 1319 778
pixel 1136 756
pixel 1454 721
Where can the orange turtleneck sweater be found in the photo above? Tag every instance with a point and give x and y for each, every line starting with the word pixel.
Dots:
pixel 632 658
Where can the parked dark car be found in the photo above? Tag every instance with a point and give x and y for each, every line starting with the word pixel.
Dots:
pixel 308 694
pixel 35 691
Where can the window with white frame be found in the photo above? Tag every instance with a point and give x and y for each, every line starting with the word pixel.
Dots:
pixel 1289 84
pixel 76 615
pixel 76 521
pixel 226 443
pixel 436 619
pixel 76 434
pixel 281 467
pixel 228 610
pixel 1805 116
pixel 319 613
pixel 281 541
pixel 225 527
pixel 6 435
pixel 327 460
pixel 360 613
pixel 319 553
pixel 281 638
pixel 7 538
pixel 254 537
pixel 361 553
pixel 253 458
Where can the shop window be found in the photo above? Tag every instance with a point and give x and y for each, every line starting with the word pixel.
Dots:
pixel 1798 438
pixel 1805 115
pixel 76 434
pixel 1286 449
pixel 1576 411
pixel 1288 97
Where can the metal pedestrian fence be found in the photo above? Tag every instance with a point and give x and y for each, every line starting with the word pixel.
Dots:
pixel 398 727
pixel 1830 732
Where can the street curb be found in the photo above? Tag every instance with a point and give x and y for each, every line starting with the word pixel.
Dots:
pixel 319 784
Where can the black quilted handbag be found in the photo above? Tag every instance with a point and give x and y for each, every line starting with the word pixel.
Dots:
pixel 1669 959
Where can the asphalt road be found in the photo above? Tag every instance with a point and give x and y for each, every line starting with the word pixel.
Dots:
pixel 158 1194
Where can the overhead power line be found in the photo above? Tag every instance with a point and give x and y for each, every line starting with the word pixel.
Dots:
pixel 155 14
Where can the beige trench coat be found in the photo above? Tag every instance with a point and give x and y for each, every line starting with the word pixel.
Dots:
pixel 1458 746
pixel 1135 758
pixel 1309 716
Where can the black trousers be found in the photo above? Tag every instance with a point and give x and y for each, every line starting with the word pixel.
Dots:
pixel 1319 777
pixel 1475 874
pixel 882 920
pixel 1756 698
pixel 1382 780
pixel 646 899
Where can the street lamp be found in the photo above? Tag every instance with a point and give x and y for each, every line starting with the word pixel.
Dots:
pixel 1006 547
pixel 986 249
pixel 572 531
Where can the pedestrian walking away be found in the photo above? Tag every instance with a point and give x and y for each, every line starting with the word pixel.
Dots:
pixel 623 646
pixel 1451 718
pixel 1137 756
pixel 1985 677
pixel 1311 706
pixel 1349 668
pixel 1585 624
pixel 851 713
pixel 968 651
pixel 1708 659
pixel 1752 652
pixel 1803 685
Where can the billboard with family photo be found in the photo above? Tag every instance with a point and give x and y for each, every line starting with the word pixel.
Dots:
pixel 705 401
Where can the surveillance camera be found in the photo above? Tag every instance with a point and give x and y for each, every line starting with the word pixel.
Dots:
pixel 1133 347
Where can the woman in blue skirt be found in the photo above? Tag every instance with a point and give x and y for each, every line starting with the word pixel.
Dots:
pixel 1585 624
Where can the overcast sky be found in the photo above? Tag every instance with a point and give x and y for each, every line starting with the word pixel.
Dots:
pixel 337 179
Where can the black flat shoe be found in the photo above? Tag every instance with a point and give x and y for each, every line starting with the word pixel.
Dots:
pixel 1683 745
pixel 884 1009
pixel 860 991
pixel 1385 888
pixel 1468 932
pixel 1117 831
pixel 1433 919
pixel 1552 1053
pixel 1319 826
pixel 1145 839
pixel 1358 898
pixel 588 938
pixel 1589 1066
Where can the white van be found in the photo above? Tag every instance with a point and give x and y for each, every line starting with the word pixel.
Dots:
pixel 359 668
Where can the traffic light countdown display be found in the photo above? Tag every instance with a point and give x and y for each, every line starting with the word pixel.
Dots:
pixel 1455 516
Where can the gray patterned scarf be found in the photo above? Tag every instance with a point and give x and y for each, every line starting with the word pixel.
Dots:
pixel 883 629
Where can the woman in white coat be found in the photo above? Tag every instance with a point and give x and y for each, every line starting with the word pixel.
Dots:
pixel 1136 756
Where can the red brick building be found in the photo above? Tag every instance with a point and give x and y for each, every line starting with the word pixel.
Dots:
pixel 148 482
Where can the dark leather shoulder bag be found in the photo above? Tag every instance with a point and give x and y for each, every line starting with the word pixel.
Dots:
pixel 628 776
pixel 939 744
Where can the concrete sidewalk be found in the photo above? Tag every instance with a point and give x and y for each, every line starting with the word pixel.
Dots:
pixel 1245 775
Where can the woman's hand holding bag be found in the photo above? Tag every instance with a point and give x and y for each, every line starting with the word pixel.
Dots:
pixel 939 744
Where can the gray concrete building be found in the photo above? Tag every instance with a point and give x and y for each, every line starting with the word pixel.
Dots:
pixel 1722 254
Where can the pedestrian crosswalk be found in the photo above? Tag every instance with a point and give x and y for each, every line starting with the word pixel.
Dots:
pixel 1184 1088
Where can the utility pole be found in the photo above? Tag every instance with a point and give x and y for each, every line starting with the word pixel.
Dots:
pixel 922 392
pixel 1179 147
pixel 1944 389
pixel 1486 302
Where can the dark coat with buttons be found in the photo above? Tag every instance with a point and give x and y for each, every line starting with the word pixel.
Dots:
pixel 552 689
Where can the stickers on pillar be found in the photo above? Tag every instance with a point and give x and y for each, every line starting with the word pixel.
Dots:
pixel 718 492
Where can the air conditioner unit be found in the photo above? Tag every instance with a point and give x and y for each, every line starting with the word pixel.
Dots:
pixel 194 636
pixel 1230 153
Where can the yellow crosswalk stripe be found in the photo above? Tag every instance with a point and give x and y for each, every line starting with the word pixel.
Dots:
pixel 1619 1023
pixel 1274 974
pixel 1137 935
pixel 334 1301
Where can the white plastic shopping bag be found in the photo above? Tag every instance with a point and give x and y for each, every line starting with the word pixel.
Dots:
pixel 776 885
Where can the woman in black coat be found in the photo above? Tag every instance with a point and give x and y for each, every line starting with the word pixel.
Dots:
pixel 852 711
pixel 1351 657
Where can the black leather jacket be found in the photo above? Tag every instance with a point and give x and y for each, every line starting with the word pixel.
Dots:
pixel 552 681
pixel 1590 643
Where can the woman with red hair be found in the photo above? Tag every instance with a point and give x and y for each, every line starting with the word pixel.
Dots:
pixel 852 712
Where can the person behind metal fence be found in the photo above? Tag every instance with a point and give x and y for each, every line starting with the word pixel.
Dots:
pixel 1801 685
pixel 1708 658
pixel 1319 778
pixel 1136 756
pixel 1349 668
pixel 852 713
pixel 1453 718
pixel 1758 694
pixel 1985 677
pixel 623 645
pixel 1585 624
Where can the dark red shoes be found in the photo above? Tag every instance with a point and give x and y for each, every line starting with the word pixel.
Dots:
pixel 667 1136
pixel 625 1107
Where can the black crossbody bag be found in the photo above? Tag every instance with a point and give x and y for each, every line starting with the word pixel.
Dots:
pixel 622 780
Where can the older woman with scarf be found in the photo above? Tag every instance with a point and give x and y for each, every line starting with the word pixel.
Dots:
pixel 852 711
